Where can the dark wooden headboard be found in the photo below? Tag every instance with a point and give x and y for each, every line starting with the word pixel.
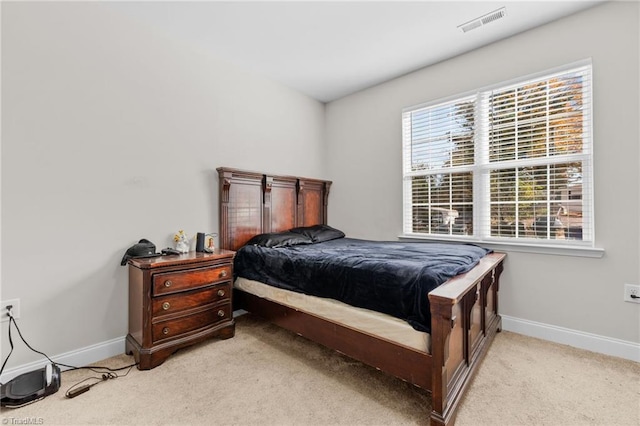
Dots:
pixel 253 203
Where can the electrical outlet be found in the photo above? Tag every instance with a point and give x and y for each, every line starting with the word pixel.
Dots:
pixel 632 293
pixel 15 309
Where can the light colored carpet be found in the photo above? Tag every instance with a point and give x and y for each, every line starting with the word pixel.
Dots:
pixel 268 376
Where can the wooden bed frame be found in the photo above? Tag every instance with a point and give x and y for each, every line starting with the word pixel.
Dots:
pixel 464 310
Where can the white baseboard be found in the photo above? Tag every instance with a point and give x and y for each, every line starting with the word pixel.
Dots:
pixel 78 358
pixel 565 336
pixel 575 338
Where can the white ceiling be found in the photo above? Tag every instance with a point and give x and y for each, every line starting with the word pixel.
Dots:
pixel 331 49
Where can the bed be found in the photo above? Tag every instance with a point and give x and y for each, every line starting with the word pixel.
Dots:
pixel 437 346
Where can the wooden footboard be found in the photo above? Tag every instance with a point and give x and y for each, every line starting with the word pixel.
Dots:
pixel 464 321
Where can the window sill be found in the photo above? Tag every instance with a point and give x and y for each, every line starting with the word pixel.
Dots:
pixel 556 250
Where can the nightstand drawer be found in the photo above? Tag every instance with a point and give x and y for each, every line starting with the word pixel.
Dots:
pixel 167 305
pixel 179 326
pixel 173 282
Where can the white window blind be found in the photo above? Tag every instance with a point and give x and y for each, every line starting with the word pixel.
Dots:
pixel 512 161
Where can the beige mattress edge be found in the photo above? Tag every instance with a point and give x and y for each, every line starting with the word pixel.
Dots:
pixel 371 322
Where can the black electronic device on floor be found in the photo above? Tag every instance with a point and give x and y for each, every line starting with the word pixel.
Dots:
pixel 29 387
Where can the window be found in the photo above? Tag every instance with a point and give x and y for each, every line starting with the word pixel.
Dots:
pixel 509 163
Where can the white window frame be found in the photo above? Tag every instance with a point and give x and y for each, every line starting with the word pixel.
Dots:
pixel 482 166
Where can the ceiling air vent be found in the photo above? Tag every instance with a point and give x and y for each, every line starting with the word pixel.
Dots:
pixel 483 20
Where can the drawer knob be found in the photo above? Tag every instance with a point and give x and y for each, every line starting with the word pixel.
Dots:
pixel 167 283
pixel 220 293
pixel 166 306
pixel 223 273
pixel 165 330
pixel 220 313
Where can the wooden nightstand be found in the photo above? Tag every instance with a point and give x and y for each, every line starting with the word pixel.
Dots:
pixel 176 301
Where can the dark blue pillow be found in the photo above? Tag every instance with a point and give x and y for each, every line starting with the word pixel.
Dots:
pixel 279 239
pixel 319 233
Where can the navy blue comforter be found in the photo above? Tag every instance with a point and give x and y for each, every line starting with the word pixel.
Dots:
pixel 389 277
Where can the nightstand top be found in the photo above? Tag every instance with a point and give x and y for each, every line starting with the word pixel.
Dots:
pixel 182 259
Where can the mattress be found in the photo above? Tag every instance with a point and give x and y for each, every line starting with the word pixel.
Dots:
pixel 363 320
pixel 392 278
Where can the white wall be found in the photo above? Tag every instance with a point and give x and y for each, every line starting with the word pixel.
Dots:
pixel 112 132
pixel 575 293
